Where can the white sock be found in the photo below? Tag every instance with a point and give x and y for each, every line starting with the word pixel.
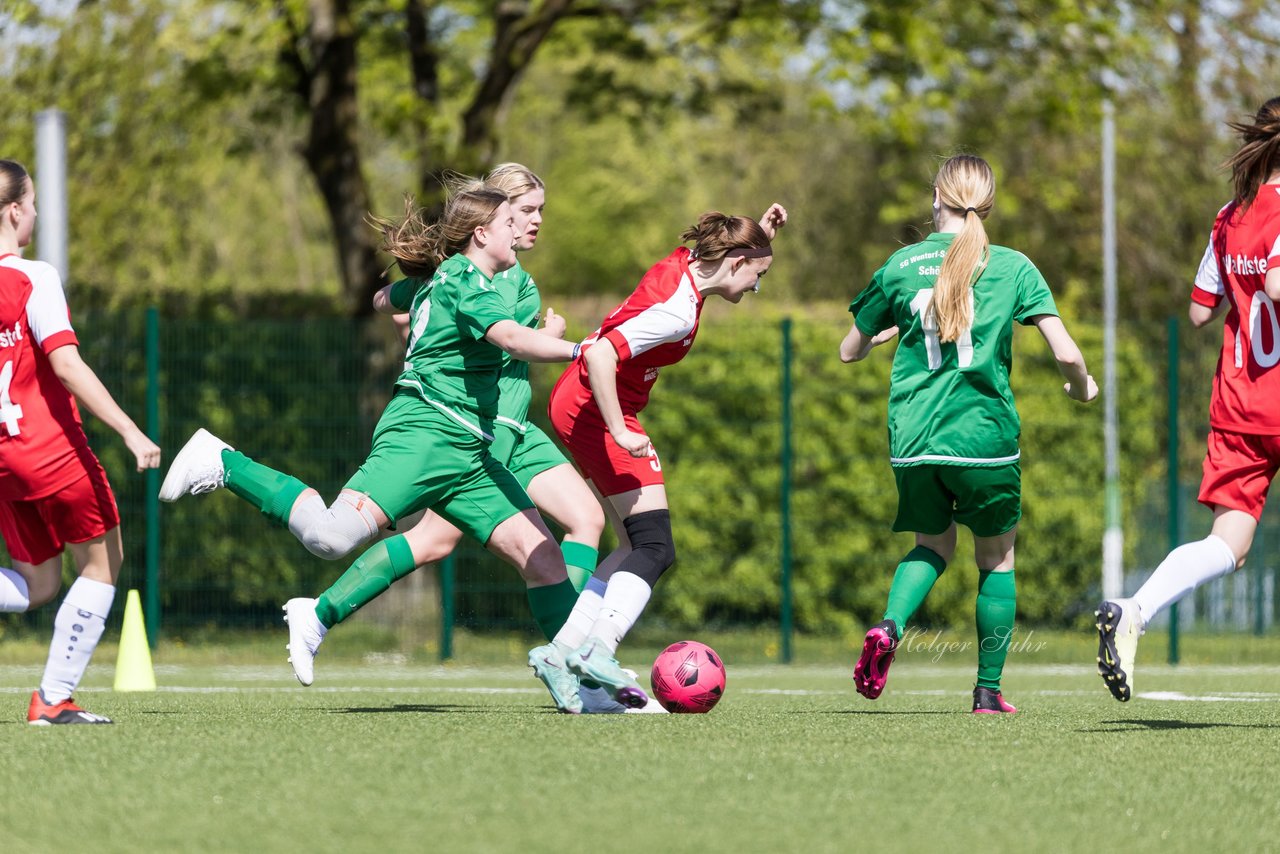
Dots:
pixel 1186 568
pixel 575 629
pixel 15 597
pixel 77 628
pixel 624 601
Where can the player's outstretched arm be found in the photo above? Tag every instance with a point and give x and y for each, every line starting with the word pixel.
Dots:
pixel 773 220
pixel 856 345
pixel 1080 385
pixel 81 381
pixel 529 345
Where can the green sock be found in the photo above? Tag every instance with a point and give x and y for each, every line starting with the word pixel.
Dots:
pixel 366 579
pixel 551 605
pixel 272 492
pixel 997 594
pixel 911 584
pixel 580 561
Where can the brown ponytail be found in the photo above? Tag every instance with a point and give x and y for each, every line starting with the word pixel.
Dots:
pixel 1259 154
pixel 966 185
pixel 716 234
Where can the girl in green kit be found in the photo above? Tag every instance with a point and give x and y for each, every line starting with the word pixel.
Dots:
pixel 953 427
pixel 431 446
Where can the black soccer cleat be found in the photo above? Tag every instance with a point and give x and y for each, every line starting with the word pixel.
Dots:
pixel 988 702
pixel 1119 627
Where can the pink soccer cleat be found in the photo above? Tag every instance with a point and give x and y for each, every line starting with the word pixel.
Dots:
pixel 872 669
pixel 988 702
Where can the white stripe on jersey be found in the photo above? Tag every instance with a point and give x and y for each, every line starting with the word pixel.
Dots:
pixel 941 458
pixel 1209 274
pixel 47 312
pixel 663 322
pixel 447 410
pixel 511 422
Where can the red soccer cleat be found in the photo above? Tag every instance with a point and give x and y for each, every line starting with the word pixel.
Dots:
pixel 41 713
pixel 988 702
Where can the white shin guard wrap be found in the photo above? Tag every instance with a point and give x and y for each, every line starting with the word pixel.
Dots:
pixel 15 597
pixel 1186 568
pixel 77 628
pixel 340 529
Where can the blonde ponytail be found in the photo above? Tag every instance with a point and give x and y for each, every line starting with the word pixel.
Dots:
pixel 966 185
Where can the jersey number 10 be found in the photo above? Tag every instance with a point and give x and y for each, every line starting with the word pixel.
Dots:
pixel 922 304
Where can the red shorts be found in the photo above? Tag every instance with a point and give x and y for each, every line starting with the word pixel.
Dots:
pixel 611 469
pixel 37 530
pixel 1238 470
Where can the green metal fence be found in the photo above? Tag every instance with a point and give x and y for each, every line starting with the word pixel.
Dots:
pixel 775 453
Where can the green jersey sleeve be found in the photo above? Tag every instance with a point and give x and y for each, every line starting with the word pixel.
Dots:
pixel 402 292
pixel 480 305
pixel 872 310
pixel 1034 297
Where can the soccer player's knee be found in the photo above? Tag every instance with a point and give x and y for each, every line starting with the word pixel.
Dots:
pixel 653 549
pixel 338 532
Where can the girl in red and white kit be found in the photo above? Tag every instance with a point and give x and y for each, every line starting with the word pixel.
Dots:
pixel 594 410
pixel 54 494
pixel 1240 273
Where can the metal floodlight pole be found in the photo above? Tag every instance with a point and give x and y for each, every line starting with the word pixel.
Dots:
pixel 51 189
pixel 1113 535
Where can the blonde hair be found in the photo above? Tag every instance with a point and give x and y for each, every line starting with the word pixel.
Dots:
pixel 716 234
pixel 966 185
pixel 1259 153
pixel 419 245
pixel 513 179
pixel 13 181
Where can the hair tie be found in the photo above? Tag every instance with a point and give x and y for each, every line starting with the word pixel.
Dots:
pixel 967 211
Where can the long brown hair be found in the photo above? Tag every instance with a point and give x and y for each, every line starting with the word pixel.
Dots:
pixel 966 185
pixel 419 245
pixel 1259 153
pixel 715 234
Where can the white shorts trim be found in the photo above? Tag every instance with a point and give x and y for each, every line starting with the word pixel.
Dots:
pixel 941 458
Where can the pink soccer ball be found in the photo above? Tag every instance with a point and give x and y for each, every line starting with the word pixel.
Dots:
pixel 688 677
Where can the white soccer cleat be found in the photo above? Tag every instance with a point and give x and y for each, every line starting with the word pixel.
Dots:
pixel 305 634
pixel 1119 624
pixel 596 701
pixel 197 468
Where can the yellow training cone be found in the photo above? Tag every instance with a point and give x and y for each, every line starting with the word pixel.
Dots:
pixel 133 665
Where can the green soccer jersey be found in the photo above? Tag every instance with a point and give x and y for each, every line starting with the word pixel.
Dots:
pixel 525 303
pixel 448 362
pixel 951 404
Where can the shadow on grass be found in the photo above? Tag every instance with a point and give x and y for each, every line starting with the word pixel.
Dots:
pixel 429 708
pixel 1161 725
pixel 872 712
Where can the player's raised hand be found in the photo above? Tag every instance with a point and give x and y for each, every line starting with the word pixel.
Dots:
pixel 635 444
pixel 553 324
pixel 774 218
pixel 144 450
pixel 1082 392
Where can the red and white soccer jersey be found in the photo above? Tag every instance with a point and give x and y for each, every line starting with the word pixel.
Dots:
pixel 1243 246
pixel 652 328
pixel 43 448
pixel 1244 412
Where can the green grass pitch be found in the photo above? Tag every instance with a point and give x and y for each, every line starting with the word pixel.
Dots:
pixel 389 757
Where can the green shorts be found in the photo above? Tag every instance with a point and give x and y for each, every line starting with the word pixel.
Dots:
pixel 986 500
pixel 422 457
pixel 526 454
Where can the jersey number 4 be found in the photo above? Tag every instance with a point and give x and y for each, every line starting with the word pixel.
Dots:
pixel 10 412
pixel 922 304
